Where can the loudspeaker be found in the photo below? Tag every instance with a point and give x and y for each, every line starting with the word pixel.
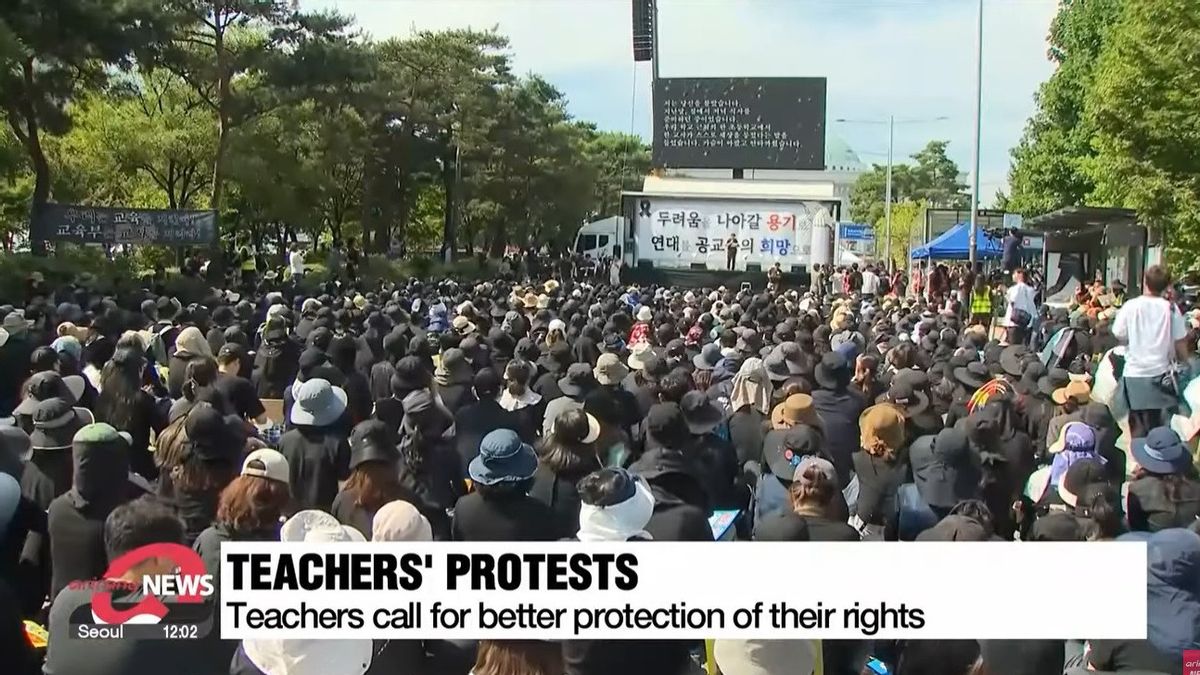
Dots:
pixel 699 266
pixel 645 264
pixel 753 267
pixel 643 30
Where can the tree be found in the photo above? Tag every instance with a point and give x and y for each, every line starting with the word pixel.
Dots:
pixel 622 161
pixel 1049 168
pixel 1144 112
pixel 933 178
pixel 51 52
pixel 153 130
pixel 243 58
pixel 537 185
pixel 869 193
pixel 908 222
pixel 433 107
pixel 16 188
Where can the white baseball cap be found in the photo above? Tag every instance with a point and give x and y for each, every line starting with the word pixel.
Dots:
pixel 266 463
pixel 317 526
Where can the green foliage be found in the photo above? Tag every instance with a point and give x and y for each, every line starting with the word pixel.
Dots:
pixel 1050 163
pixel 908 222
pixel 1116 124
pixel 621 161
pixel 293 126
pixel 64 267
pixel 1144 110
pixel 933 178
pixel 51 52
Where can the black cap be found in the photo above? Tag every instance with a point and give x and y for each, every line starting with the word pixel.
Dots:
pixel 654 366
pixel 210 435
pixel 320 338
pixel 666 423
pixel 232 350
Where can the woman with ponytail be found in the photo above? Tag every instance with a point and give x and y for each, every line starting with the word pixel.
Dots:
pixel 126 405
pixel 565 458
pixel 880 466
pixel 430 468
pixel 208 463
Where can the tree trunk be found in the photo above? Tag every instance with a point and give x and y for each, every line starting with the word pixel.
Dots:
pixel 496 238
pixel 218 179
pixel 224 93
pixel 335 230
pixel 402 210
pixel 37 155
pixel 449 222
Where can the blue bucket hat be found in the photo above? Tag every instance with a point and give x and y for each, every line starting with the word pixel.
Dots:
pixel 503 458
pixel 1161 451
pixel 318 403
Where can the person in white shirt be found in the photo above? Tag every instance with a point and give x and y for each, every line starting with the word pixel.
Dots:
pixel 1153 331
pixel 870 281
pixel 1021 296
pixel 296 262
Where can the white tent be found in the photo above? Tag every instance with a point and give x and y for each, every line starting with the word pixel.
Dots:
pixel 849 258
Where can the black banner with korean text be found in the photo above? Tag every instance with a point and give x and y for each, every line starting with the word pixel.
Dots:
pixel 104 225
pixel 740 123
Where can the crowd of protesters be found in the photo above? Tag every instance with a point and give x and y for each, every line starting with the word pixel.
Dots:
pixel 539 411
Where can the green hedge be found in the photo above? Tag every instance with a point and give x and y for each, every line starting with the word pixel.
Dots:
pixel 67 263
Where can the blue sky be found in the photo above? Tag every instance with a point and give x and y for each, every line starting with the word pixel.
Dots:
pixel 914 59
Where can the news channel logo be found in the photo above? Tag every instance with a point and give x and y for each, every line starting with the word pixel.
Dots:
pixel 159 591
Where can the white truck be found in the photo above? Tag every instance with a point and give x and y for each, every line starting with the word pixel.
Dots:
pixel 687 224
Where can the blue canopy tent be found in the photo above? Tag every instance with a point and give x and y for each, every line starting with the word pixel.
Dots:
pixel 954 244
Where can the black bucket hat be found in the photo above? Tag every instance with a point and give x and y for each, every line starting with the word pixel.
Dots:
pixel 701 414
pixel 1056 379
pixel 55 422
pixel 908 399
pixel 973 376
pixel 372 441
pixel 833 372
pixel 943 470
pixel 578 381
pixel 708 358
pixel 1012 360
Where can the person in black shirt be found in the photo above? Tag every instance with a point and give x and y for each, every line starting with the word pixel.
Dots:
pixel 236 389
pixel 500 508
pixel 374 477
pixel 317 452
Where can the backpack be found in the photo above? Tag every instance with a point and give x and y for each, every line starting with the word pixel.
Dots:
pixel 169 442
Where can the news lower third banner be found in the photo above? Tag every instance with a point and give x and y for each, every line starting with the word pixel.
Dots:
pixel 669 590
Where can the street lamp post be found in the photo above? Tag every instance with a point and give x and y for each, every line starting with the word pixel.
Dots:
pixel 887 206
pixel 887 199
pixel 975 149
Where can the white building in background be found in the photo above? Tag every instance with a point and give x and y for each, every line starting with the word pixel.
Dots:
pixel 842 169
